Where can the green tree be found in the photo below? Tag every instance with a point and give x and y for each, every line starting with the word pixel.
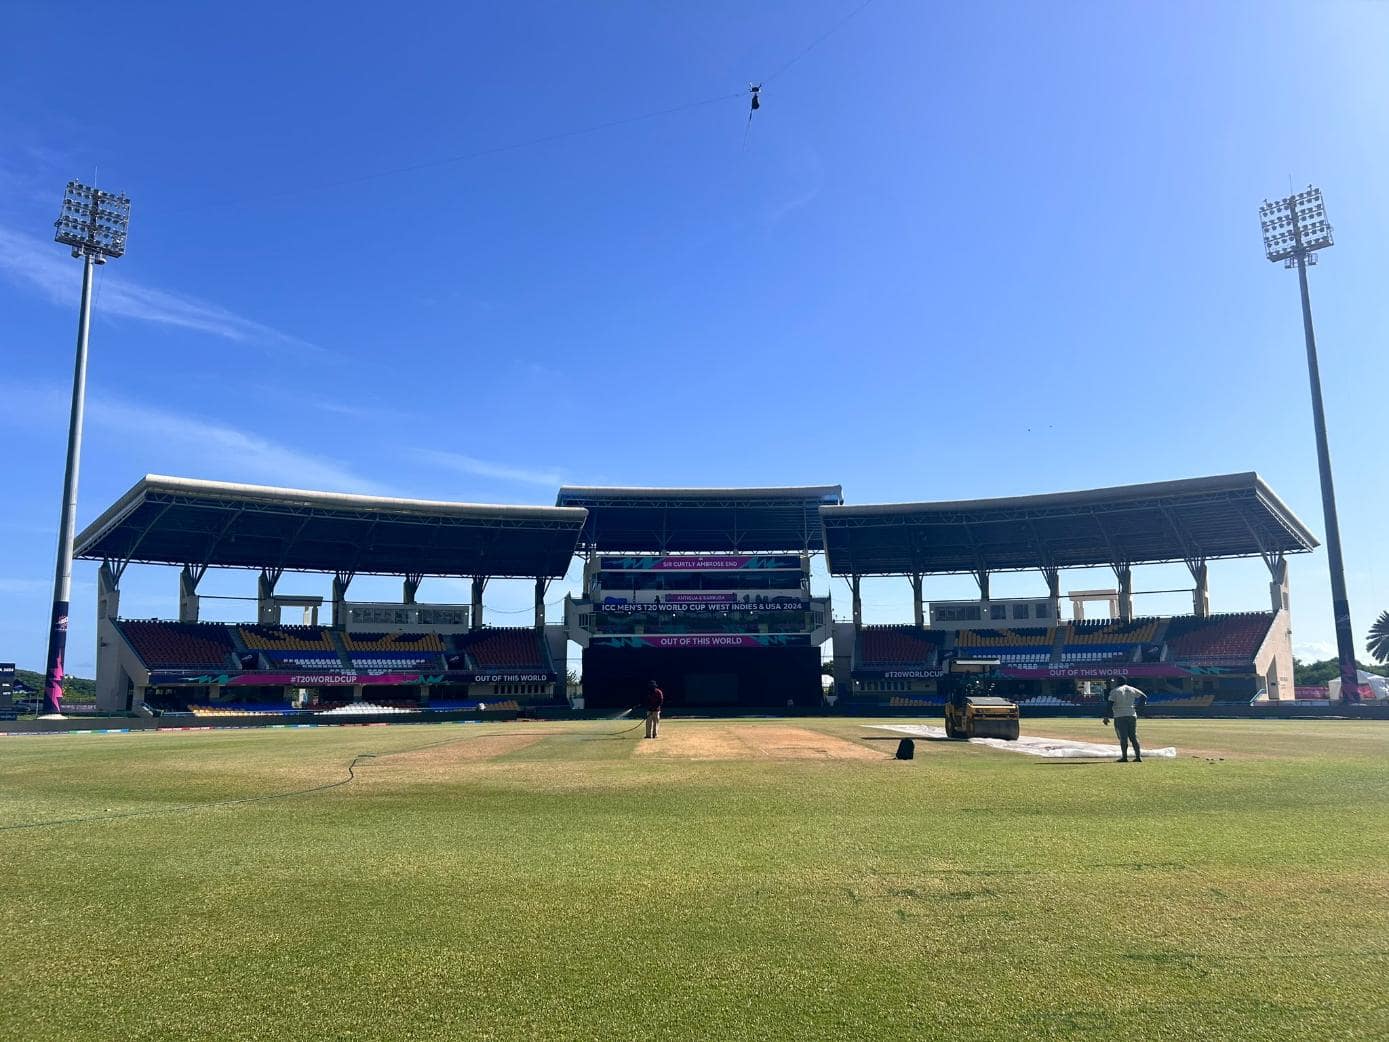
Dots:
pixel 1319 674
pixel 1378 644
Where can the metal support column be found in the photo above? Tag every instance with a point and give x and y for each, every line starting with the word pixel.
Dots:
pixel 1125 576
pixel 541 585
pixel 62 577
pixel 1201 593
pixel 1340 603
pixel 475 615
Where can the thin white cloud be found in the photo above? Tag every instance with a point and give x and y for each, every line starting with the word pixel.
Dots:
pixel 485 469
pixel 807 177
pixel 225 452
pixel 44 267
pixel 164 441
pixel 1313 651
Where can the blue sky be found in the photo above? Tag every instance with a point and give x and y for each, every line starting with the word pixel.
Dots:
pixel 962 250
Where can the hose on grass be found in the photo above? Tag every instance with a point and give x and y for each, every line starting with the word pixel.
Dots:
pixel 348 779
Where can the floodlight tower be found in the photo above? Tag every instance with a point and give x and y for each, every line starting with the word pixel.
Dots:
pixel 93 223
pixel 1295 228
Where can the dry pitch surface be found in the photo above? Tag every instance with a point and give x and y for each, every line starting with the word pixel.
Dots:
pixel 732 879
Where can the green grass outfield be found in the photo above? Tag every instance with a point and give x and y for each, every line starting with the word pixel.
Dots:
pixel 743 879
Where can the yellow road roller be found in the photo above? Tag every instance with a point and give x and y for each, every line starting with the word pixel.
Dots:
pixel 971 711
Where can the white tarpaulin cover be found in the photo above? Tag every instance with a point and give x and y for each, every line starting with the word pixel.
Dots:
pixel 1052 748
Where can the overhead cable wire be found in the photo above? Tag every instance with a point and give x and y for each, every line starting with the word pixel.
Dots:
pixel 820 39
pixel 542 139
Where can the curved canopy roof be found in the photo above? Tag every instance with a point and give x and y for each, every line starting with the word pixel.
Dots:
pixel 713 520
pixel 178 521
pixel 1232 515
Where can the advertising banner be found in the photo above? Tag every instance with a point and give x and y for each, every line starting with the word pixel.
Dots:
pixel 7 685
pixel 342 678
pixel 614 606
pixel 705 640
pixel 901 674
pixel 1100 671
pixel 701 563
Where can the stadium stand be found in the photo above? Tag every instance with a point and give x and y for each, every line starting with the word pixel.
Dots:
pixel 1026 647
pixel 325 662
pixel 1111 632
pixel 1219 639
pixel 1108 640
pixel 242 709
pixel 506 648
pixel 179 645
pixel 287 638
pixel 921 702
pixel 393 650
pixel 403 643
pixel 1098 654
pixel 397 661
pixel 1027 637
pixel 898 646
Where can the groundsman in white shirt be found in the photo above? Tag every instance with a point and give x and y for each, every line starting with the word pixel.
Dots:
pixel 1122 702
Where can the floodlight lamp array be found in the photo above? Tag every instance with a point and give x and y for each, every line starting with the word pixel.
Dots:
pixel 93 222
pixel 1295 226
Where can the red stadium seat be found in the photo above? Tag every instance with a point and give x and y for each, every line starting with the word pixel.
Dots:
pixel 179 645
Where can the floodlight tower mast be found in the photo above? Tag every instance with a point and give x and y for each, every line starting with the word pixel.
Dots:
pixel 1295 228
pixel 93 223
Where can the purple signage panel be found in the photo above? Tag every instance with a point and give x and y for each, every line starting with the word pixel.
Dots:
pixel 901 674
pixel 320 679
pixel 701 563
pixel 705 640
pixel 616 606
pixel 700 640
pixel 1099 671
pixel 342 678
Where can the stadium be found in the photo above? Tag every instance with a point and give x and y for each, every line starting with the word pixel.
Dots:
pixel 707 590
pixel 581 588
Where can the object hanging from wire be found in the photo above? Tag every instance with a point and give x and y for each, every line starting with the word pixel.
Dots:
pixel 755 91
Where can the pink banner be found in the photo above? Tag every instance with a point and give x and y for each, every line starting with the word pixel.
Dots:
pixel 319 679
pixel 701 640
pixel 700 598
pixel 1099 671
pixel 687 564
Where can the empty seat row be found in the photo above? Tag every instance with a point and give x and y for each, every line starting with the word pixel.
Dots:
pixel 179 645
pixel 898 645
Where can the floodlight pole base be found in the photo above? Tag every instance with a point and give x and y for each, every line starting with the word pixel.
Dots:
pixel 62 578
pixel 1340 603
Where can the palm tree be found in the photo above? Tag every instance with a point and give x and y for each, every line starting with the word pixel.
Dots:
pixel 1378 644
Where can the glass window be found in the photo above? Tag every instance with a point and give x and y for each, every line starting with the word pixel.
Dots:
pixel 998 611
pixel 1020 611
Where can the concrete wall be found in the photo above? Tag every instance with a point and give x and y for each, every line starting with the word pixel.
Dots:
pixel 842 638
pixel 557 641
pixel 1274 659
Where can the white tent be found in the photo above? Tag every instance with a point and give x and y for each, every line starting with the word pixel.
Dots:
pixel 1379 686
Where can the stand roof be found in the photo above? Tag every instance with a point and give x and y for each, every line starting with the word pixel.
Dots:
pixel 1231 515
pixel 712 520
pixel 164 520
